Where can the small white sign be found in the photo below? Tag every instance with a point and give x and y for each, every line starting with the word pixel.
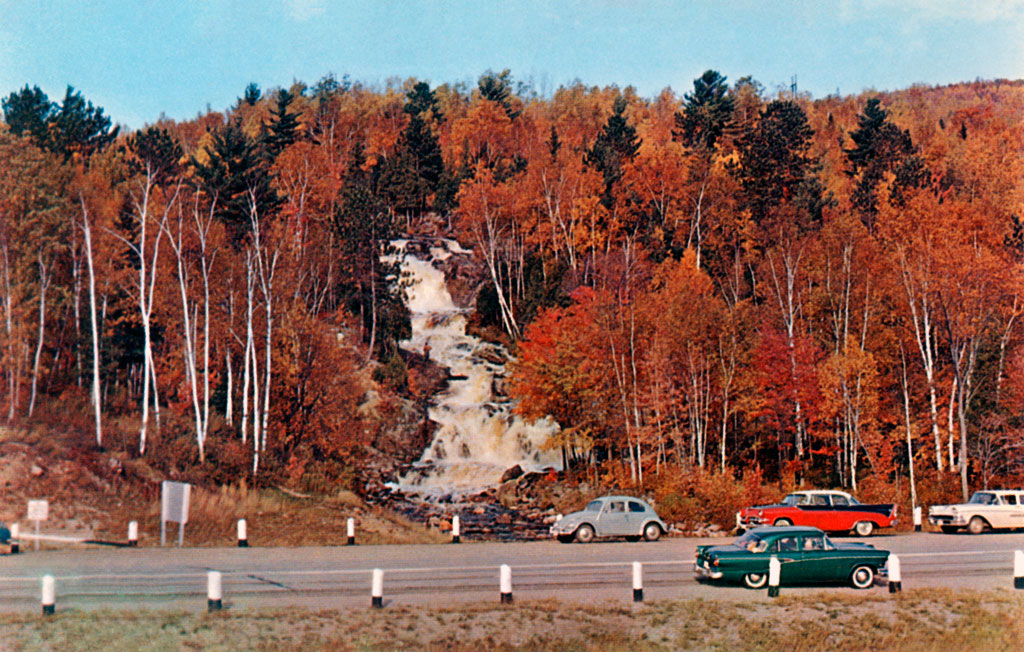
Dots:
pixel 175 497
pixel 38 510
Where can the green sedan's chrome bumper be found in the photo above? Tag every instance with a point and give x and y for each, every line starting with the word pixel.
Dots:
pixel 701 570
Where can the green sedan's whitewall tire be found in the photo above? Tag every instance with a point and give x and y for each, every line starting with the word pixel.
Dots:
pixel 864 528
pixel 862 577
pixel 755 580
pixel 652 532
pixel 585 533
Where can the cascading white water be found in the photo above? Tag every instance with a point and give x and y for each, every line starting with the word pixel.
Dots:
pixel 478 437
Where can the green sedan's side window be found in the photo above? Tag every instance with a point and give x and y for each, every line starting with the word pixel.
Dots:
pixel 813 543
pixel 785 544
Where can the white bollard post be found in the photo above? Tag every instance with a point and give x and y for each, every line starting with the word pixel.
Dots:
pixel 917 519
pixel 377 589
pixel 15 533
pixel 895 576
pixel 456 529
pixel 214 595
pixel 49 595
pixel 638 582
pixel 243 535
pixel 351 526
pixel 739 523
pixel 133 533
pixel 774 570
pixel 1018 569
pixel 505 581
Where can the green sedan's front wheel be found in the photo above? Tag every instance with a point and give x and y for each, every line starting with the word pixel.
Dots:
pixel 862 577
pixel 584 533
pixel 755 580
pixel 652 532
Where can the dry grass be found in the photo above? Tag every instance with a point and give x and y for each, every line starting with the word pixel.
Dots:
pixel 274 518
pixel 914 620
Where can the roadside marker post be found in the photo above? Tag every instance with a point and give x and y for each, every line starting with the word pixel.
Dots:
pixel 895 576
pixel 351 527
pixel 133 534
pixel 773 577
pixel 243 536
pixel 638 582
pixel 456 529
pixel 15 543
pixel 1018 569
pixel 214 595
pixel 917 519
pixel 49 595
pixel 505 584
pixel 377 589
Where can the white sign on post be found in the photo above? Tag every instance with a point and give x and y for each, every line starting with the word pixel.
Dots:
pixel 174 507
pixel 38 510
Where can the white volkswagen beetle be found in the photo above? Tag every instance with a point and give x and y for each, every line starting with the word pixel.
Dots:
pixel 611 516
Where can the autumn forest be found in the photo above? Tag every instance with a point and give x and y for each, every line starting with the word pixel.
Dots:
pixel 765 288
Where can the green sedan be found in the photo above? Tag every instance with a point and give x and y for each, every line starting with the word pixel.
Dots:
pixel 806 555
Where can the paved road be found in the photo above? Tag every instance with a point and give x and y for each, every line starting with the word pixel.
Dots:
pixel 339 577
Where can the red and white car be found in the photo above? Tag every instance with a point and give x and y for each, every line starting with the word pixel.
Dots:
pixel 832 511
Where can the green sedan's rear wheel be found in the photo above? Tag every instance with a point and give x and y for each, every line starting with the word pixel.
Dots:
pixel 782 522
pixel 976 525
pixel 755 580
pixel 585 533
pixel 864 528
pixel 949 529
pixel 652 532
pixel 862 577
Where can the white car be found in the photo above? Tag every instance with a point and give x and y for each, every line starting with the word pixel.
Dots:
pixel 990 509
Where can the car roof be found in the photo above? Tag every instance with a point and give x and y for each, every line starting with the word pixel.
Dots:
pixel 771 531
pixel 821 492
pixel 622 498
pixel 1000 491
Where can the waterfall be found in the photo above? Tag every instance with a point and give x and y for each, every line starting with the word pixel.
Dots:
pixel 477 437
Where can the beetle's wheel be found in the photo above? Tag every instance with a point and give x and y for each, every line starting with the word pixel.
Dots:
pixel 584 533
pixel 652 532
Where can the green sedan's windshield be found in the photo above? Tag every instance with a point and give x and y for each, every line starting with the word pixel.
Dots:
pixel 594 506
pixel 751 542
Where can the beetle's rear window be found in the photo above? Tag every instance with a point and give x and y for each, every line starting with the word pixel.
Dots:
pixel 636 507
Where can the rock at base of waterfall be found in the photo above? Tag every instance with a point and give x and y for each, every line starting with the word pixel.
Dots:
pixel 511 473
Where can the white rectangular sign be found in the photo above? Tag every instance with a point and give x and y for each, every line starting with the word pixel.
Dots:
pixel 38 510
pixel 174 499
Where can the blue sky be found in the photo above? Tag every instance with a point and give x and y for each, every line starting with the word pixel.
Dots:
pixel 138 58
